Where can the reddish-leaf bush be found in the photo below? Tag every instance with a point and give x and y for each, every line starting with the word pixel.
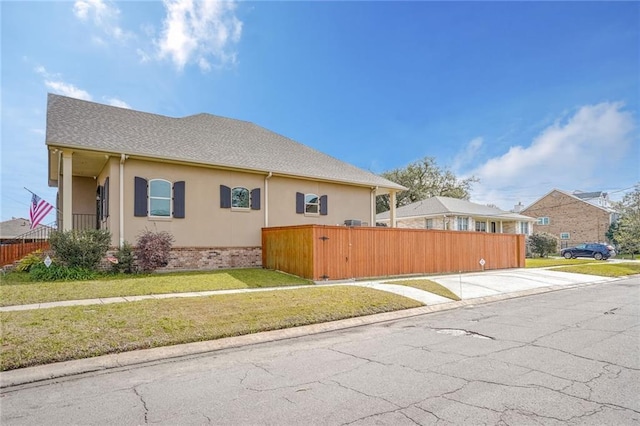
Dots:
pixel 153 249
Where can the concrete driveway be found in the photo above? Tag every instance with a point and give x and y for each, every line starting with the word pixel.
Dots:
pixel 488 283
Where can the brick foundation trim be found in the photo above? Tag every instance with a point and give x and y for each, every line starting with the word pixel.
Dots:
pixel 203 258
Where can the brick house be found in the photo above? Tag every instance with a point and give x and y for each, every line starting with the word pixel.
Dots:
pixel 574 218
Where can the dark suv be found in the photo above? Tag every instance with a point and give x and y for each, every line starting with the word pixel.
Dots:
pixel 596 250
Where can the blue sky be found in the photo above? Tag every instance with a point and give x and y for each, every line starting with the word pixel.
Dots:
pixel 526 96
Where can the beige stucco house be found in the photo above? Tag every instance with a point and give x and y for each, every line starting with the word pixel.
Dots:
pixel 212 182
pixel 574 218
pixel 458 215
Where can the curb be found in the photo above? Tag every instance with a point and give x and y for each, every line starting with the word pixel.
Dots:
pixel 59 370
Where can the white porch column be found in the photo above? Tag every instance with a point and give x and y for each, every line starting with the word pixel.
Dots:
pixel 67 190
pixel 392 212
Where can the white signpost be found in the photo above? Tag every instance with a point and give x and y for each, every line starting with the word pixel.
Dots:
pixel 482 262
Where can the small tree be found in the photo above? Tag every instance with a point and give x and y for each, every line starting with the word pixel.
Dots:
pixel 153 249
pixel 543 243
pixel 627 230
pixel 80 249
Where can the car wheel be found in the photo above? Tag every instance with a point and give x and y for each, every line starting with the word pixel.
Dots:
pixel 597 256
pixel 567 255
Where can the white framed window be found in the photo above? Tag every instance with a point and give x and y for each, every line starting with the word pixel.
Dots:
pixel 481 226
pixel 463 223
pixel 428 223
pixel 311 204
pixel 565 236
pixel 543 220
pixel 240 198
pixel 159 198
pixel 524 228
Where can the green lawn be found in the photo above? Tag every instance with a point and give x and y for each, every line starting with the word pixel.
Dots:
pixel 50 335
pixel 604 269
pixel 16 291
pixel 544 262
pixel 427 285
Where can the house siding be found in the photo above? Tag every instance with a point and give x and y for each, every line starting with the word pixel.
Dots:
pixel 206 225
pixel 584 222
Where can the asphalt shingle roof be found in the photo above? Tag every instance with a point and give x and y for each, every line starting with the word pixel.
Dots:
pixel 446 205
pixel 201 138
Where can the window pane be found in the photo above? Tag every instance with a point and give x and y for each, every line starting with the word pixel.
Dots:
pixel 311 203
pixel 160 188
pixel 240 197
pixel 159 207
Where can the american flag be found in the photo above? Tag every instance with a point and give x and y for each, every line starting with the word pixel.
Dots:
pixel 38 210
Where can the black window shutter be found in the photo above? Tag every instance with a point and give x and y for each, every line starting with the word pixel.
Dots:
pixel 178 199
pixel 100 202
pixel 225 197
pixel 324 207
pixel 140 197
pixel 255 199
pixel 299 202
pixel 105 209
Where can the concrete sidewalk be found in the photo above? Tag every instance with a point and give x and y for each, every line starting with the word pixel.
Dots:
pixel 477 288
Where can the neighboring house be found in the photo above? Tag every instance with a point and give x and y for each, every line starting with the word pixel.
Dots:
pixel 458 215
pixel 19 230
pixel 212 182
pixel 574 218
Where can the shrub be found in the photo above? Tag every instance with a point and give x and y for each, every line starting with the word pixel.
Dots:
pixel 543 243
pixel 58 272
pixel 125 263
pixel 80 249
pixel 153 249
pixel 27 262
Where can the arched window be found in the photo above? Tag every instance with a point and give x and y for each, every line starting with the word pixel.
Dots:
pixel 240 197
pixel 311 204
pixel 159 198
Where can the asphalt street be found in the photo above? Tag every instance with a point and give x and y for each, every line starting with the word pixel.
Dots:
pixel 564 357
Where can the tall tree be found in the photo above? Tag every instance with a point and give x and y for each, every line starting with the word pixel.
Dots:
pixel 424 179
pixel 627 232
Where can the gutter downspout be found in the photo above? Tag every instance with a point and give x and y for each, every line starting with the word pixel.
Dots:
pixel 121 194
pixel 266 199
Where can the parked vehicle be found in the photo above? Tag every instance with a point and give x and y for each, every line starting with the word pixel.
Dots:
pixel 596 250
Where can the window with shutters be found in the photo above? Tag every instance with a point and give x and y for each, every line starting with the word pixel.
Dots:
pixel 239 198
pixel 159 198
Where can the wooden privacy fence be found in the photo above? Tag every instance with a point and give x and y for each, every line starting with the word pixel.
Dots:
pixel 337 252
pixel 9 253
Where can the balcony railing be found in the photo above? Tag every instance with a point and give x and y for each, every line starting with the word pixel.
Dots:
pixel 82 221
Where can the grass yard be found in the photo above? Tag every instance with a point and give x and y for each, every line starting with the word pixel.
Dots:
pixel 604 269
pixel 15 291
pixel 544 262
pixel 427 285
pixel 58 334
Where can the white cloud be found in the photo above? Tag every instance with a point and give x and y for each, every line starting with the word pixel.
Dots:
pixel 103 14
pixel 118 103
pixel 56 85
pixel 67 89
pixel 194 31
pixel 468 154
pixel 581 151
